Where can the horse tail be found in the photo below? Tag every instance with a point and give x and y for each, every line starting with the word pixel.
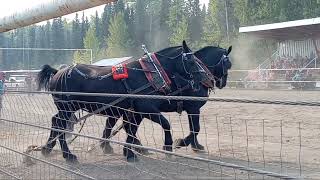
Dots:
pixel 44 76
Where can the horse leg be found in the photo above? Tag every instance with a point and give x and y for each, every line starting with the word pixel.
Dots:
pixel 164 123
pixel 194 126
pixel 131 128
pixel 64 118
pixel 105 145
pixel 137 119
pixel 59 121
pixel 46 150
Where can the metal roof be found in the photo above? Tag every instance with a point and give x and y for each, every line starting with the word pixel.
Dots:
pixel 112 61
pixel 300 29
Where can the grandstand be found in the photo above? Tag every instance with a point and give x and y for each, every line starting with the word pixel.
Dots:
pixel 296 57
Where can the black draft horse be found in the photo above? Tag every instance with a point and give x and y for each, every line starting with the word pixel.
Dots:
pixel 91 79
pixel 216 59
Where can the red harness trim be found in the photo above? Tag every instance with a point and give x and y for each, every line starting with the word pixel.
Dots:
pixel 149 72
pixel 120 71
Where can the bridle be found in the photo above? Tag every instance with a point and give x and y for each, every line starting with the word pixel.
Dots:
pixel 220 64
pixel 184 59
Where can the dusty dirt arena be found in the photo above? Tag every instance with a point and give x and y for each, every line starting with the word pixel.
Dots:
pixel 276 138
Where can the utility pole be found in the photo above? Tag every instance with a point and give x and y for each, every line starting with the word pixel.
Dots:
pixel 227 21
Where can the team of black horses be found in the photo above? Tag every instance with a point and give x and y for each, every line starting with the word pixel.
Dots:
pixel 182 67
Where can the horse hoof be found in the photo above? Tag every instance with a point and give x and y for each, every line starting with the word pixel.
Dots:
pixel 167 148
pixel 106 148
pixel 178 143
pixel 197 147
pixel 70 158
pixel 45 151
pixel 133 159
pixel 142 151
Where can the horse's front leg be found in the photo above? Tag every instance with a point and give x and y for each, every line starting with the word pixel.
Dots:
pixel 164 123
pixel 105 145
pixel 194 126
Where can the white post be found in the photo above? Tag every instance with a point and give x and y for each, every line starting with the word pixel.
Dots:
pixel 46 11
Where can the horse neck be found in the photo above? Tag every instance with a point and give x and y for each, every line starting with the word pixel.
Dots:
pixel 168 64
pixel 203 55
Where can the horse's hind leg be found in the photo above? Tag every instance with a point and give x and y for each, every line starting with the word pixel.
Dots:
pixel 105 145
pixel 137 119
pixel 131 124
pixel 59 121
pixel 46 150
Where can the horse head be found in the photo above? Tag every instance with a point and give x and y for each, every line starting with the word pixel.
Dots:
pixel 217 61
pixel 181 60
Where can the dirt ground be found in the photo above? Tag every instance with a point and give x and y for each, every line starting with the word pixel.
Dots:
pixel 277 138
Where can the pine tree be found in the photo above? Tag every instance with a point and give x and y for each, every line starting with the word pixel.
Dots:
pixel 106 16
pixel 140 25
pixel 98 27
pixel 194 15
pixel 118 41
pixel 162 39
pixel 311 8
pixel 178 22
pixel 77 41
pixel 91 41
pixel 119 6
pixel 58 41
pixel 180 32
pixel 212 33
pixel 31 44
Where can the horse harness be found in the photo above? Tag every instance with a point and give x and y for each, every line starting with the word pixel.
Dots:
pixel 156 75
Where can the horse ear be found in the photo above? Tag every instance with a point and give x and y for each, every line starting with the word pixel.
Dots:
pixel 185 46
pixel 229 50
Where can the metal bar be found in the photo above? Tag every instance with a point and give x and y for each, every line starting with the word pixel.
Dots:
pixel 212 161
pixel 46 11
pixel 190 98
pixel 256 70
pixel 274 81
pixel 9 174
pixel 45 49
pixel 47 162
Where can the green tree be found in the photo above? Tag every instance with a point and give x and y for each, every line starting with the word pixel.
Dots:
pixel 118 41
pixel 140 25
pixel 90 42
pixel 77 41
pixel 212 33
pixel 98 27
pixel 163 34
pixel 105 19
pixel 178 22
pixel 80 57
pixel 180 32
pixel 311 8
pixel 194 16
pixel 58 41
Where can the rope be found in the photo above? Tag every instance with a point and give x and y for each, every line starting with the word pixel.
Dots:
pixel 189 98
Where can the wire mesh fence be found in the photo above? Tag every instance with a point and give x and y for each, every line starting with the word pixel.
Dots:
pixel 239 144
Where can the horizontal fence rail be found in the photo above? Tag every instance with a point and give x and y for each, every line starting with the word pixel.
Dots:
pixel 191 98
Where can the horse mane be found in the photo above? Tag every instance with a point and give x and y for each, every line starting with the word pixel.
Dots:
pixel 212 47
pixel 164 52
